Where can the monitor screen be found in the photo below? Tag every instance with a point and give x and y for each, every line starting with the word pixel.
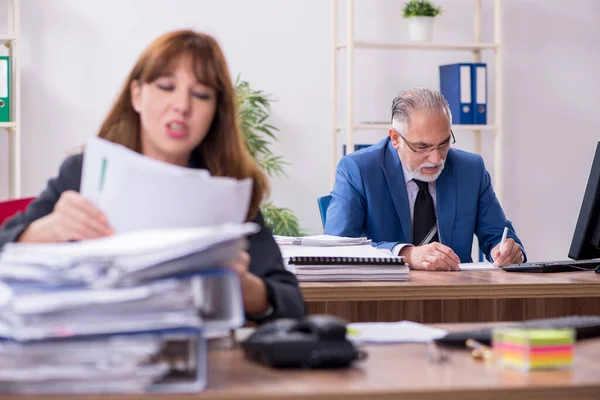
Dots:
pixel 586 238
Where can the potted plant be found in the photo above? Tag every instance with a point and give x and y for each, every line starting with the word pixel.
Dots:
pixel 420 15
pixel 253 111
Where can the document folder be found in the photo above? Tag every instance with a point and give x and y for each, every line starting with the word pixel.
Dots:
pixel 479 93
pixel 5 89
pixel 159 361
pixel 455 85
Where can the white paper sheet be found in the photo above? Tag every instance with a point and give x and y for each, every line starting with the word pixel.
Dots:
pixel 137 192
pixel 321 240
pixel 392 332
pixel 335 251
pixel 477 266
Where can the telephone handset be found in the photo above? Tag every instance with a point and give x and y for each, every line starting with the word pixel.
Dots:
pixel 316 341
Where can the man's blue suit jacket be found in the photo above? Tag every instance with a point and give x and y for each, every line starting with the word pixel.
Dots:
pixel 369 199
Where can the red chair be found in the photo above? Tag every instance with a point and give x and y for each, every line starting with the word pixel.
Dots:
pixel 11 207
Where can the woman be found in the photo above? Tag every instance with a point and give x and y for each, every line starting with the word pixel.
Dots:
pixel 178 105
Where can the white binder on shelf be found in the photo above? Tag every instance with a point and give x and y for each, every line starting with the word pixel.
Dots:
pixel 479 93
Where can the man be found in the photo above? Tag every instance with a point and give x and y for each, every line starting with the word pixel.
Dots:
pixel 414 195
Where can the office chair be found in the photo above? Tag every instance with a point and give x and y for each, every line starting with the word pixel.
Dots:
pixel 323 203
pixel 11 207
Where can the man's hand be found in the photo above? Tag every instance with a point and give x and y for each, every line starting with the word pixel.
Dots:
pixel 511 254
pixel 432 257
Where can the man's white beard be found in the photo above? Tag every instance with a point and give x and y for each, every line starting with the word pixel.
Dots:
pixel 418 175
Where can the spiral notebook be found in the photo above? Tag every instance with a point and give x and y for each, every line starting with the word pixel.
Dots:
pixel 333 260
pixel 344 263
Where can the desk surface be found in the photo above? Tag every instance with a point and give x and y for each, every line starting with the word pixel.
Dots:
pixel 390 372
pixel 424 285
pixel 403 371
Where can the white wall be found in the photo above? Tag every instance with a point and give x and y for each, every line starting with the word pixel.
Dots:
pixel 76 53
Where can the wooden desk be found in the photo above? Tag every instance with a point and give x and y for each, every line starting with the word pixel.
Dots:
pixel 403 371
pixel 389 372
pixel 449 297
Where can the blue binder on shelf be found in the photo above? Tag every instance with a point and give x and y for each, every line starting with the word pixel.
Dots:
pixel 479 93
pixel 455 85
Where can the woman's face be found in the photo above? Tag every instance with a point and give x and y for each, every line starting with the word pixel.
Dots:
pixel 176 112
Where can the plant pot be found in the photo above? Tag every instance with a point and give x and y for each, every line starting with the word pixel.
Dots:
pixel 420 29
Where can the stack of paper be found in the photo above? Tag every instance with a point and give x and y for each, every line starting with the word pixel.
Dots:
pixel 321 240
pixel 344 263
pixel 126 258
pixel 142 283
pixel 172 361
pixel 127 313
pixel 136 192
pixel 32 313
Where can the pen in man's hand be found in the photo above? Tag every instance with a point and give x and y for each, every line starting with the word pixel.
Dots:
pixel 504 234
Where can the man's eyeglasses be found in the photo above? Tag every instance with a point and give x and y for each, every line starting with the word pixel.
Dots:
pixel 428 149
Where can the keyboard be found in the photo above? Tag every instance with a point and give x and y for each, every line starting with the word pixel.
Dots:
pixel 586 326
pixel 555 266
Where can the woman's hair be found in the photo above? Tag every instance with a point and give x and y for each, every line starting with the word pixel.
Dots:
pixel 223 150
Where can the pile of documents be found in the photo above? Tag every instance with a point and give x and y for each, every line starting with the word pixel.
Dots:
pixel 130 310
pixel 128 313
pixel 321 241
pixel 343 263
pixel 125 258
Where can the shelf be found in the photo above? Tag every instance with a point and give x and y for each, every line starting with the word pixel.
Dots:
pixel 375 126
pixel 7 39
pixel 473 49
pixel 359 44
pixel 11 128
pixel 7 125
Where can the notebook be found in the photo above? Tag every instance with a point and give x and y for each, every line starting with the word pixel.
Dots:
pixel 344 263
pixel 337 260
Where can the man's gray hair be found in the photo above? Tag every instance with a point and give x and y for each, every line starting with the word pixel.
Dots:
pixel 416 99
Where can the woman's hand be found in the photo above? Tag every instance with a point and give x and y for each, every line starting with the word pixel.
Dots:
pixel 241 264
pixel 254 290
pixel 73 218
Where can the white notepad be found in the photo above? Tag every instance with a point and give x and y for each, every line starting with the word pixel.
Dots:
pixel 477 266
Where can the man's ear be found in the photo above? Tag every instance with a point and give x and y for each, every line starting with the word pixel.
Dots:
pixel 136 93
pixel 395 136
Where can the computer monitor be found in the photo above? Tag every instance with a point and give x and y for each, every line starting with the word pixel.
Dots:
pixel 586 238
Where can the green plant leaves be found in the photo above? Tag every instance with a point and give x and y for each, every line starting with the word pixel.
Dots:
pixel 420 8
pixel 282 220
pixel 253 111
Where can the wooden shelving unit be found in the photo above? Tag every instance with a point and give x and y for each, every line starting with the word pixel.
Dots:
pixel 351 45
pixel 12 128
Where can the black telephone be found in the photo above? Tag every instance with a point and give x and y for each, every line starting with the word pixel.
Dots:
pixel 316 341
